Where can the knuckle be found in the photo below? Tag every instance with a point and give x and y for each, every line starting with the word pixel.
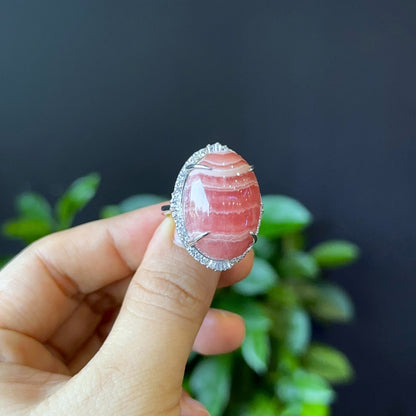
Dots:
pixel 169 292
pixel 125 389
pixel 11 350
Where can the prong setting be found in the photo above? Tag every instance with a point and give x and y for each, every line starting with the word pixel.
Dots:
pixel 198 166
pixel 166 209
pixel 196 239
pixel 176 209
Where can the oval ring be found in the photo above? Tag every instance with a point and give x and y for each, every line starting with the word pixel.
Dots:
pixel 216 205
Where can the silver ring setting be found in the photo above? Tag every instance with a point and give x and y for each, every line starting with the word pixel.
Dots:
pixel 216 206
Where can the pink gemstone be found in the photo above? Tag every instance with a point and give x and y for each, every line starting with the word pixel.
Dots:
pixel 224 201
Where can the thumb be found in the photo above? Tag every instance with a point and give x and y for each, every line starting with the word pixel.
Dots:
pixel 150 342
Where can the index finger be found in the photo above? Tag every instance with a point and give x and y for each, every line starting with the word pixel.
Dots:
pixel 41 287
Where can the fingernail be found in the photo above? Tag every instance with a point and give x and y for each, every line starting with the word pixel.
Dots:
pixel 177 240
pixel 165 229
pixel 162 239
pixel 194 406
pixel 169 227
pixel 224 313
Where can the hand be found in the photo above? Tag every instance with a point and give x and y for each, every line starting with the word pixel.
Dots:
pixel 67 347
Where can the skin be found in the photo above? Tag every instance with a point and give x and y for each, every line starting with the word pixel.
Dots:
pixel 101 318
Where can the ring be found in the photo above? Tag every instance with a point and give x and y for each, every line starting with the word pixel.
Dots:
pixel 216 206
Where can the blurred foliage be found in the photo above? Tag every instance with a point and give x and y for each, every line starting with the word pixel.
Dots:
pixel 37 218
pixel 278 370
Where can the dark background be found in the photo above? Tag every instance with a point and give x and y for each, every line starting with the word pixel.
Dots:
pixel 318 95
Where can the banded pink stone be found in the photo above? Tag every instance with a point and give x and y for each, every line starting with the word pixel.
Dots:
pixel 222 198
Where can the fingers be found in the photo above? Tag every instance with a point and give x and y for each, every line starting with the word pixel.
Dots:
pixel 23 350
pixel 70 337
pixel 22 388
pixel 85 353
pixel 167 300
pixel 47 280
pixel 146 352
pixel 221 332
pixel 191 407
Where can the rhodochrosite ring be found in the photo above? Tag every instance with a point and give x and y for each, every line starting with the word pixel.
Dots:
pixel 216 206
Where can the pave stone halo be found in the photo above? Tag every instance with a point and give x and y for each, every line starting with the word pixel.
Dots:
pixel 216 205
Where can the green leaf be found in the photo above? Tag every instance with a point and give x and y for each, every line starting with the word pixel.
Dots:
pixel 283 295
pixel 293 409
pixel 185 384
pixel 254 313
pixel 130 204
pixel 192 356
pixel 293 242
pixel 260 280
pixel 35 220
pixel 309 409
pixel 305 409
pixel 283 215
pixel 256 345
pixel 4 260
pixel 333 304
pixel 140 201
pixel 75 198
pixel 34 206
pixel 256 349
pixel 264 248
pixel 307 292
pixel 26 229
pixel 335 253
pixel 110 211
pixel 211 383
pixel 298 331
pixel 287 362
pixel 304 387
pixel 262 405
pixel 329 363
pixel 298 264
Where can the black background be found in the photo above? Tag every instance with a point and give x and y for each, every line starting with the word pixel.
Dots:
pixel 318 95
